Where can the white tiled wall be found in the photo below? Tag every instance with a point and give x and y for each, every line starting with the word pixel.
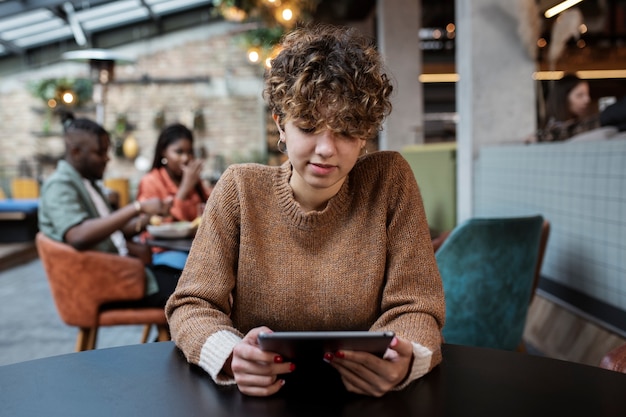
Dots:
pixel 581 189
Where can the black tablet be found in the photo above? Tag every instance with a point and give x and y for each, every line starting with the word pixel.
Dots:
pixel 312 345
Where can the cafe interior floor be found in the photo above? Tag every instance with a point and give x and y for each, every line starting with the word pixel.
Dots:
pixel 30 327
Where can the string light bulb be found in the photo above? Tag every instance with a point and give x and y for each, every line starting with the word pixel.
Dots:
pixel 287 14
pixel 254 55
pixel 68 97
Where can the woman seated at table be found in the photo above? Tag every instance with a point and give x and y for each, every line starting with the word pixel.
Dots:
pixel 176 174
pixel 334 239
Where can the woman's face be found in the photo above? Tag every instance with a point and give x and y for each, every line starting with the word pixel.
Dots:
pixel 178 153
pixel 321 161
pixel 578 100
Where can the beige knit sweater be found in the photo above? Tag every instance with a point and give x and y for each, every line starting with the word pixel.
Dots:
pixel 365 262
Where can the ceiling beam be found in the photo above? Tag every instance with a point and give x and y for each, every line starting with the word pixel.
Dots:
pixel 154 17
pixel 11 47
pixel 72 21
pixel 10 8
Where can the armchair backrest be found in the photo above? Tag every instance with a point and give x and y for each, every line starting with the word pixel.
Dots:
pixel 488 267
pixel 81 281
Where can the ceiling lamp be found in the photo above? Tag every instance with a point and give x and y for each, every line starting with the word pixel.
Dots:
pixel 553 11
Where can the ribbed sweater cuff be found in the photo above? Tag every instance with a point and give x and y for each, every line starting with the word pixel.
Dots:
pixel 214 354
pixel 421 364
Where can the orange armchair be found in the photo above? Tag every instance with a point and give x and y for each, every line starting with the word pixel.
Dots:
pixel 81 282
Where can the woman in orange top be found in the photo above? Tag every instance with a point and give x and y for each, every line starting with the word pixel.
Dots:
pixel 175 174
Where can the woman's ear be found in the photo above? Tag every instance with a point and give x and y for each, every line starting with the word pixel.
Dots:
pixel 277 121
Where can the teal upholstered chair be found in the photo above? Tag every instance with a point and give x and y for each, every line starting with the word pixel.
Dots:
pixel 488 268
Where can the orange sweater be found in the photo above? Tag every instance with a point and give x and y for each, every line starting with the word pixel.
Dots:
pixel 365 262
pixel 157 183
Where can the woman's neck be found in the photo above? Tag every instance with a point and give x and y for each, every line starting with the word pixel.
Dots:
pixel 309 198
pixel 175 179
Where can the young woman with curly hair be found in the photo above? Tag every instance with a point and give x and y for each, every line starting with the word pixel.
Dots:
pixel 334 239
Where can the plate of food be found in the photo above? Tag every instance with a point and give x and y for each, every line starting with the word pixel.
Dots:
pixel 174 230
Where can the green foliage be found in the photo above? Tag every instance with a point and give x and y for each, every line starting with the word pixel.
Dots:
pixel 264 38
pixel 268 14
pixel 53 88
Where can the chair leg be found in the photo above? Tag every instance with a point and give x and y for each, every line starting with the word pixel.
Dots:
pixel 146 333
pixel 86 338
pixel 164 333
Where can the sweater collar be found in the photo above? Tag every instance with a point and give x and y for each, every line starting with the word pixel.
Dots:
pixel 336 208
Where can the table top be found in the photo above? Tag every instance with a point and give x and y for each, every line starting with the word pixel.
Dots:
pixel 155 380
pixel 172 244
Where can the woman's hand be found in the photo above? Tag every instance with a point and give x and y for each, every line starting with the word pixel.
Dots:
pixel 156 206
pixel 191 177
pixel 256 371
pixel 365 373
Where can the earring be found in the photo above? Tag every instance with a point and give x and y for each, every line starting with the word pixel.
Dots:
pixel 281 145
pixel 164 161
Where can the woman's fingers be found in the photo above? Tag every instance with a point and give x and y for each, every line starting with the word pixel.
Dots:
pixel 256 371
pixel 365 373
pixel 261 391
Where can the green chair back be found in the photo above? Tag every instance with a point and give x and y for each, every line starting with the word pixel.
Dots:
pixel 488 268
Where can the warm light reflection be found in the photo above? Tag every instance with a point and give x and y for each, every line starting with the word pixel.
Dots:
pixel 538 75
pixel 542 43
pixel 547 75
pixel 553 11
pixel 439 78
pixel 601 74
pixel 584 74
pixel 52 103
pixel 68 97
pixel 254 56
pixel 275 51
pixel 287 15
pixel 234 14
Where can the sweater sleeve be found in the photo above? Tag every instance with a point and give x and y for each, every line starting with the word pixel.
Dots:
pixel 413 303
pixel 198 310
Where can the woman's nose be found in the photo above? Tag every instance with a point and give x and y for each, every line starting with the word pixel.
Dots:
pixel 325 144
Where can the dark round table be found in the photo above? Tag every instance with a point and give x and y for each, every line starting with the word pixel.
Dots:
pixel 155 380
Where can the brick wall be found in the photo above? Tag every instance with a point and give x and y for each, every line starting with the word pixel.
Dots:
pixel 230 101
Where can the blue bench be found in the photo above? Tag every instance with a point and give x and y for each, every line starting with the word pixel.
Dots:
pixel 18 220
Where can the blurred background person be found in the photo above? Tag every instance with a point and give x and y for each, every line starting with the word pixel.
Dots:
pixel 571 111
pixel 73 208
pixel 177 174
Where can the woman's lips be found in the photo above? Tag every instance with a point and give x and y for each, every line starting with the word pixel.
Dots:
pixel 322 169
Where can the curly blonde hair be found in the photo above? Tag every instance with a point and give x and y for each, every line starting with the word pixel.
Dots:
pixel 329 77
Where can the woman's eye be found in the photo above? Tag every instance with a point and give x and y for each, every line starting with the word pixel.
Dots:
pixel 307 130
